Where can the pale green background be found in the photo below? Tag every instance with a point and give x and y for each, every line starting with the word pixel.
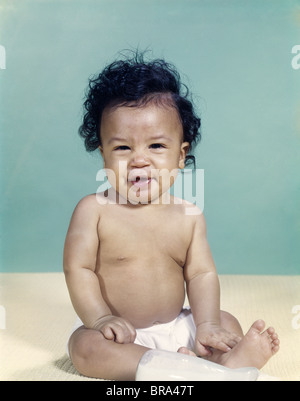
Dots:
pixel 236 57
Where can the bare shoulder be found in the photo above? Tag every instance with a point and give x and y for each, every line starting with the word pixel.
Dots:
pixel 192 211
pixel 87 211
pixel 90 204
pixel 192 220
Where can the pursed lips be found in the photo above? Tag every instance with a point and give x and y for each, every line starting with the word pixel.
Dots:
pixel 139 178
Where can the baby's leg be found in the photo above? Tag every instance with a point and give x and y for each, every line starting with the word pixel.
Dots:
pixel 95 356
pixel 255 349
pixel 229 323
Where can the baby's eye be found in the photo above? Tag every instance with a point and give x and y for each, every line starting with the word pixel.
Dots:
pixel 157 146
pixel 122 147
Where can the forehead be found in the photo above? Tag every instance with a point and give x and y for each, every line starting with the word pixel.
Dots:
pixel 142 120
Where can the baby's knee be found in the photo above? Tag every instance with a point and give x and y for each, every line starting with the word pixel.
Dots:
pixel 84 344
pixel 230 323
pixel 227 317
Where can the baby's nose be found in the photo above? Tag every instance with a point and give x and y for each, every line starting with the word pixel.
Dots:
pixel 139 160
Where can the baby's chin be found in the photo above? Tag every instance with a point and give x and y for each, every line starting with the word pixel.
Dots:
pixel 143 197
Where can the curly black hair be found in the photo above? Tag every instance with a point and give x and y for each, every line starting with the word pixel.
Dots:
pixel 135 82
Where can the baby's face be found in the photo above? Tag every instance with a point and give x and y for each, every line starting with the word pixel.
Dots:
pixel 142 149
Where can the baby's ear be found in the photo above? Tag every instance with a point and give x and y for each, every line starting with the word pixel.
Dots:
pixel 183 152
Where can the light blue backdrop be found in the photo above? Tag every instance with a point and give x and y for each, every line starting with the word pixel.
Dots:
pixel 236 56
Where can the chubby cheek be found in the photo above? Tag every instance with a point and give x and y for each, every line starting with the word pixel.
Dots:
pixel 116 172
pixel 168 161
pixel 167 179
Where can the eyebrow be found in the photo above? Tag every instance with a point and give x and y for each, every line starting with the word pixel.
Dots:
pixel 116 139
pixel 152 138
pixel 160 138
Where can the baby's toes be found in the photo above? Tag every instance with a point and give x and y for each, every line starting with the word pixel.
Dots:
pixel 275 346
pixel 270 331
pixel 266 341
pixel 273 336
pixel 186 351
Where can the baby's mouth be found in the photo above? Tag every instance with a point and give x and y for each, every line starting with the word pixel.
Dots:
pixel 140 182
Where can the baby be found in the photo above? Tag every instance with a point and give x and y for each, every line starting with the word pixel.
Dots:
pixel 132 251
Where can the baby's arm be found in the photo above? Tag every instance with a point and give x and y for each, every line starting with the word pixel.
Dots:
pixel 203 291
pixel 80 256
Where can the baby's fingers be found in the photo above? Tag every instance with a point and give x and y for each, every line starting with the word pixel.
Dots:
pixel 222 346
pixel 225 343
pixel 126 335
pixel 121 334
pixel 231 340
pixel 204 350
pixel 131 333
pixel 108 333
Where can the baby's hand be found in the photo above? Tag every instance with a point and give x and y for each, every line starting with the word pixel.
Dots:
pixel 116 329
pixel 210 335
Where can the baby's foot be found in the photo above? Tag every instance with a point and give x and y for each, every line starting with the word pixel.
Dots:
pixel 254 350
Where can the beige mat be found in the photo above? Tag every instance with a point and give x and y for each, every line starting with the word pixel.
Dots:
pixel 38 317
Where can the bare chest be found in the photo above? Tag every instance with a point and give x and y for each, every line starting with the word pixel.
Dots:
pixel 124 238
